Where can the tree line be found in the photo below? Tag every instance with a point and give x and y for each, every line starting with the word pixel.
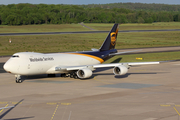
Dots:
pixel 136 6
pixel 26 14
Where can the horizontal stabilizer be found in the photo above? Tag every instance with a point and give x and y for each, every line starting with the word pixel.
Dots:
pixel 94 49
pixel 120 53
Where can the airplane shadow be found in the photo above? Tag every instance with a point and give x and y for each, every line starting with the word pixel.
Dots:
pixel 117 60
pixel 5 113
pixel 34 77
pixel 123 76
pixel 19 118
pixel 43 76
pixel 1 68
pixel 128 74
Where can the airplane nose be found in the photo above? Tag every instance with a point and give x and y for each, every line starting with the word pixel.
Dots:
pixel 6 67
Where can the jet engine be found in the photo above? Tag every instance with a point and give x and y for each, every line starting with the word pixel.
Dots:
pixel 120 70
pixel 84 73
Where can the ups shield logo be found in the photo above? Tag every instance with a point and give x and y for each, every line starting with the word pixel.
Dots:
pixel 113 38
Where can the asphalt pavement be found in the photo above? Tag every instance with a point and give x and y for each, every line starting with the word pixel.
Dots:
pixel 84 32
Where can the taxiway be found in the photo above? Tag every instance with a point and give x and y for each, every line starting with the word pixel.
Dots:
pixel 84 32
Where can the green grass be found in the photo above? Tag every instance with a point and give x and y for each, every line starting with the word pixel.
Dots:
pixel 164 56
pixel 42 28
pixel 80 42
pixel 49 43
pixel 148 39
pixel 78 27
pixel 136 26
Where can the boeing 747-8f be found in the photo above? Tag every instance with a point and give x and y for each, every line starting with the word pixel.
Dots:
pixel 75 64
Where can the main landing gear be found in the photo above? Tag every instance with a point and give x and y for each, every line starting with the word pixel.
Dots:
pixel 18 79
pixel 71 75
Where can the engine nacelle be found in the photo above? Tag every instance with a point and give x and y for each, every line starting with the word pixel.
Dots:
pixel 120 70
pixel 84 73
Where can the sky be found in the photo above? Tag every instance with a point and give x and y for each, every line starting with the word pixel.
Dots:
pixel 80 2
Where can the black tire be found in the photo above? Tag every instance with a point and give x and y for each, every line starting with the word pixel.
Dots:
pixel 67 75
pixel 71 76
pixel 19 81
pixel 75 77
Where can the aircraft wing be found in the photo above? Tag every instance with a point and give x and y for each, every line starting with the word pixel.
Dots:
pixel 120 53
pixel 6 107
pixel 85 71
pixel 125 64
pixel 93 67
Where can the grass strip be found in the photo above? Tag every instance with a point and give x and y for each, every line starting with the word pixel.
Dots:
pixel 136 26
pixel 162 56
pixel 80 42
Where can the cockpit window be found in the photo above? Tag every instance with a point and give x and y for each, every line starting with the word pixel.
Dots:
pixel 15 56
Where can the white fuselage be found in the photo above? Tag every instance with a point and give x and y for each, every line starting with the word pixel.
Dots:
pixel 31 63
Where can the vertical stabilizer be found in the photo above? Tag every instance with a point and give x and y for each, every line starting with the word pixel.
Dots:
pixel 110 41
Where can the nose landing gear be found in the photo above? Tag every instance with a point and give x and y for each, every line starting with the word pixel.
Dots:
pixel 18 79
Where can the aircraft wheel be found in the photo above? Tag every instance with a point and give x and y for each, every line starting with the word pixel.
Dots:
pixel 75 76
pixel 19 81
pixel 71 76
pixel 67 75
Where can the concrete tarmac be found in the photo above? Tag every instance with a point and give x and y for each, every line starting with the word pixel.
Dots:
pixel 149 92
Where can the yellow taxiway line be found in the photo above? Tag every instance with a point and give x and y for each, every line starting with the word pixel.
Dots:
pixel 176 111
pixel 3 109
pixel 54 112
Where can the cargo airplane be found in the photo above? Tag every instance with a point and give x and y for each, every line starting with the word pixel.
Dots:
pixel 73 64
